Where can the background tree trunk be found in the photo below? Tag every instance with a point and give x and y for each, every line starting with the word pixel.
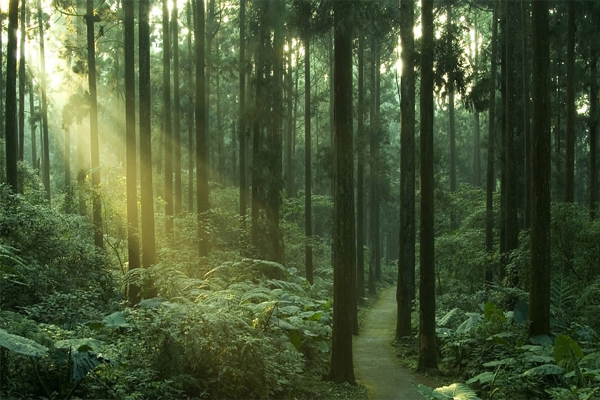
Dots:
pixel 146 199
pixel 539 294
pixel 11 143
pixel 242 116
pixel 406 261
pixel 167 133
pixel 570 137
pixel 491 158
pixel 44 108
pixel 94 145
pixel 133 245
pixel 427 338
pixel 176 111
pixel 344 279
pixel 201 134
pixel 360 171
pixel 307 161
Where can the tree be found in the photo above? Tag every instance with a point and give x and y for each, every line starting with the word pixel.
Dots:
pixel 427 339
pixel 375 167
pixel 22 80
pixel 406 261
pixel 166 89
pixel 133 246
pixel 241 117
pixel 491 159
pixel 44 107
pixel 11 96
pixel 593 122
pixel 146 199
pixel 176 110
pixel 91 58
pixel 570 137
pixel 360 171
pixel 190 110
pixel 539 294
pixel 344 280
pixel 201 141
pixel 307 156
pixel 451 111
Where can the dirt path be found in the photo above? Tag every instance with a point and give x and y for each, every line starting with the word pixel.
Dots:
pixel 375 363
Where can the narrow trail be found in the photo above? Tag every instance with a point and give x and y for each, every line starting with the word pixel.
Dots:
pixel 375 363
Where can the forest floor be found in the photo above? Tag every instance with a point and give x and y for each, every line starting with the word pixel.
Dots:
pixel 375 362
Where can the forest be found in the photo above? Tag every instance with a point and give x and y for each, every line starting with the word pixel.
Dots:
pixel 211 199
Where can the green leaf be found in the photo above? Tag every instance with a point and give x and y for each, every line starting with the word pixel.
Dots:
pixel 490 310
pixel 323 347
pixel 295 338
pixel 116 320
pixel 456 391
pixel 565 347
pixel 521 312
pixel 484 377
pixel 79 344
pixel 311 315
pixel 21 345
pixel 543 370
pixel 543 340
pixel 84 362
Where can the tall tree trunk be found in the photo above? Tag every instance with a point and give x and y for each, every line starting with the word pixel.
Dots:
pixel 360 172
pixel 257 162
pixel 209 35
pixel 525 56
pixel 44 110
pixel 510 154
pixel 275 140
pixel 406 261
pixel 570 139
pixel 22 80
pixel 146 198
pixel 190 111
pixel 451 115
pixel 539 293
pixel 374 168
pixel 593 126
pixel 242 116
pixel 307 162
pixel 201 134
pixel 289 179
pixel 476 123
pixel 133 245
pixel 427 339
pixel 11 138
pixel 176 111
pixel 32 125
pixel 168 137
pixel 94 146
pixel 344 277
pixel 2 122
pixel 67 170
pixel 491 158
pixel 220 131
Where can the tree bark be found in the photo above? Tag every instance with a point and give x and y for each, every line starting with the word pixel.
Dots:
pixel 44 109
pixel 593 126
pixel 190 111
pixel 539 294
pixel 146 199
pixel 201 133
pixel 344 279
pixel 406 261
pixel 176 111
pixel 11 144
pixel 133 245
pixel 451 115
pixel 570 137
pixel 360 172
pixel 22 80
pixel 491 159
pixel 427 335
pixel 94 145
pixel 167 132
pixel 307 162
pixel 242 115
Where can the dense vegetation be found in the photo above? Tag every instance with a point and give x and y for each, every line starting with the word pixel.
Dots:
pixel 248 172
